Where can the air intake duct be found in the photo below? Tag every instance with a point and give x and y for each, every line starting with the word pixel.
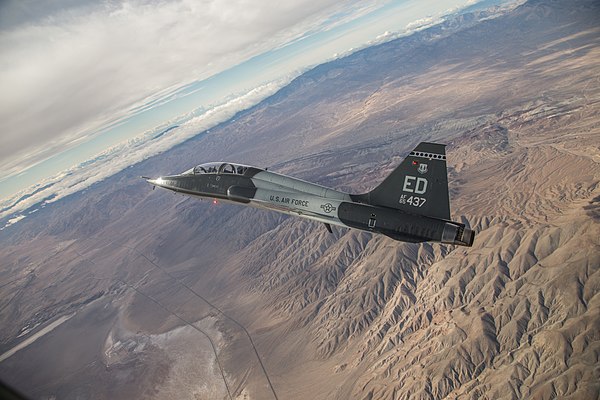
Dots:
pixel 241 194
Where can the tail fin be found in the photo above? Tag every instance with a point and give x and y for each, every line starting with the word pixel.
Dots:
pixel 419 185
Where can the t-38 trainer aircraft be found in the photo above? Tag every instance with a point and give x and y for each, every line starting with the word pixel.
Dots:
pixel 410 205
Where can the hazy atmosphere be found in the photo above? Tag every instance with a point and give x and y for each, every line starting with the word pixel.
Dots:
pixel 87 86
pixel 112 290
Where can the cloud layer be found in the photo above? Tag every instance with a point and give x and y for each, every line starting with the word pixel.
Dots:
pixel 119 157
pixel 65 71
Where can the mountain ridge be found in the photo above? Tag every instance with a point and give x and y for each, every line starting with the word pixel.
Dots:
pixel 350 314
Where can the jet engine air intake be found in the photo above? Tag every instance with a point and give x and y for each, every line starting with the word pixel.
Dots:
pixel 240 193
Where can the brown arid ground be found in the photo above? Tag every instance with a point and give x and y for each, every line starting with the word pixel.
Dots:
pixel 169 297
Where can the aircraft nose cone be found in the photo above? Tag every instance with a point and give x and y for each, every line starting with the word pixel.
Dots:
pixel 153 181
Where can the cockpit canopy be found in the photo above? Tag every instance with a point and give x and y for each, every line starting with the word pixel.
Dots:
pixel 217 168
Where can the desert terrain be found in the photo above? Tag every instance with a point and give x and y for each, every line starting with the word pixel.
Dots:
pixel 125 292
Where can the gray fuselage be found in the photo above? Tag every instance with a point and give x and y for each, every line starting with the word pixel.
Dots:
pixel 268 190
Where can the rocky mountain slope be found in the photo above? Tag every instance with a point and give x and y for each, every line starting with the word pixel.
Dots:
pixel 278 307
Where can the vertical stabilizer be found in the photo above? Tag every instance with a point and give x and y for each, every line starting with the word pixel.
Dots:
pixel 419 185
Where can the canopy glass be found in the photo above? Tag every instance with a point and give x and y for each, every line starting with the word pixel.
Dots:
pixel 217 168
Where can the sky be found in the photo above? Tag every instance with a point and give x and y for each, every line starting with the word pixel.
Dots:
pixel 89 86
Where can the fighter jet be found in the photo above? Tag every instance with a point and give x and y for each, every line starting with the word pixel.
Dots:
pixel 410 205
